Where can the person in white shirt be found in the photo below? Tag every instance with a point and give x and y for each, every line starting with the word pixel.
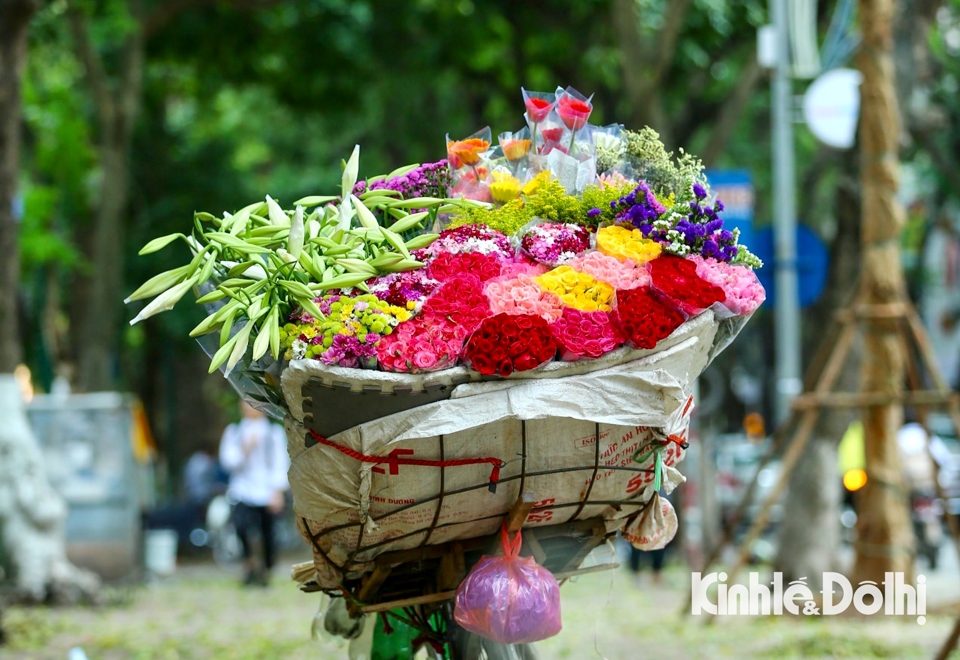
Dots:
pixel 254 453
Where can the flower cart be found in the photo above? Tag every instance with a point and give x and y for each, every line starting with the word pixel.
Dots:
pixel 491 353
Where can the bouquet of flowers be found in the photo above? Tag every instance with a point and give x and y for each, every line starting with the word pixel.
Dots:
pixel 563 241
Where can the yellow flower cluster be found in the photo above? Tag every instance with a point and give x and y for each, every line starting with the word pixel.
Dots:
pixel 622 243
pixel 577 290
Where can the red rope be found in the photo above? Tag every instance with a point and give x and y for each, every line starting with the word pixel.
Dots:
pixel 394 461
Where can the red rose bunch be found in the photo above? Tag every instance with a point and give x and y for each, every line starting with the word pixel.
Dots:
pixel 582 334
pixel 460 302
pixel 505 343
pixel 677 279
pixel 448 265
pixel 644 318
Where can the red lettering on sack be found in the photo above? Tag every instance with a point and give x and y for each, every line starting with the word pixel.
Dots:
pixel 635 484
pixel 542 516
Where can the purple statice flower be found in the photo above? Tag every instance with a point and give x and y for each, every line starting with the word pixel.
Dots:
pixel 640 207
pixel 699 191
pixel 593 213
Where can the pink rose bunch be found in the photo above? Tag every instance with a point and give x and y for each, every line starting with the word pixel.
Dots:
pixel 554 244
pixel 622 275
pixel 740 284
pixel 522 296
pixel 425 343
pixel 522 265
pixel 448 265
pixel 459 302
pixel 469 238
pixel 585 334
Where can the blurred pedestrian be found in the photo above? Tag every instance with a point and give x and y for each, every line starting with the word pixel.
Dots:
pixel 254 453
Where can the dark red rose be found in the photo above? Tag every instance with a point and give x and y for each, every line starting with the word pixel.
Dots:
pixel 526 362
pixel 506 368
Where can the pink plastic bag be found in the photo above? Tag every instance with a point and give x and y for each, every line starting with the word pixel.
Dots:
pixel 509 599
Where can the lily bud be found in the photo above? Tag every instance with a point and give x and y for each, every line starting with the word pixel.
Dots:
pixel 295 242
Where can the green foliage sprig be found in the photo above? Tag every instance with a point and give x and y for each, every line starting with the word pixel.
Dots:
pixel 658 168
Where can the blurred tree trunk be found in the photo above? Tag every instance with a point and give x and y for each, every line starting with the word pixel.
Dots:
pixel 116 107
pixel 14 20
pixel 885 536
pixel 32 514
pixel 810 536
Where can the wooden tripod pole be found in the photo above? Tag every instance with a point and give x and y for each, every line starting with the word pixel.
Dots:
pixel 885 536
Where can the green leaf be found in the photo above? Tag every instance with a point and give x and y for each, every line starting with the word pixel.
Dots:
pixel 158 244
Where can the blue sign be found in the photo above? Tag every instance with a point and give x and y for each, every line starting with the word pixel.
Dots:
pixel 813 260
pixel 735 189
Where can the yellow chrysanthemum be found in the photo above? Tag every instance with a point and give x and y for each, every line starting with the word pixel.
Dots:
pixel 534 184
pixel 505 187
pixel 622 243
pixel 577 290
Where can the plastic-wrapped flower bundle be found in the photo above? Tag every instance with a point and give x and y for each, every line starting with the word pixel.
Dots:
pixel 522 295
pixel 555 244
pixel 505 343
pixel 585 334
pixel 577 290
pixel 622 243
pixel 620 274
pixel 743 291
pixel 470 238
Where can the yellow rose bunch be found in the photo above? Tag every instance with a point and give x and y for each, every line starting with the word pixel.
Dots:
pixel 577 290
pixel 623 243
